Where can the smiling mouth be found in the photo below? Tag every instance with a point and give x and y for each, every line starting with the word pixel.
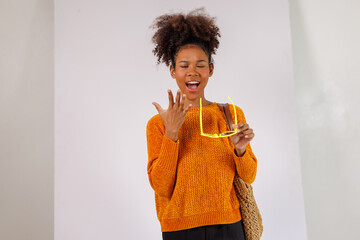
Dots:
pixel 192 87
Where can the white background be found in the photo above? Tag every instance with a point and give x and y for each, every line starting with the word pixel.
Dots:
pixel 325 36
pixel 326 49
pixel 26 120
pixel 105 80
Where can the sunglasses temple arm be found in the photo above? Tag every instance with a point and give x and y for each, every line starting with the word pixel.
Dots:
pixel 234 112
pixel 201 127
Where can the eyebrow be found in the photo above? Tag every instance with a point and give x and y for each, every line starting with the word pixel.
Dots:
pixel 183 61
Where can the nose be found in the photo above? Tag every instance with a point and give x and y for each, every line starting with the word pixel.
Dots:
pixel 192 71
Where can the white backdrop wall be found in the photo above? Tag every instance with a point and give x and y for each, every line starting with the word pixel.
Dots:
pixel 26 120
pixel 326 36
pixel 326 54
pixel 105 80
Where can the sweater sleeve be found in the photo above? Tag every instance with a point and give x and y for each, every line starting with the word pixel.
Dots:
pixel 162 158
pixel 246 165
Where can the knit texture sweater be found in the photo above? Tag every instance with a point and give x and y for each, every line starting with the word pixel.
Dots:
pixel 193 177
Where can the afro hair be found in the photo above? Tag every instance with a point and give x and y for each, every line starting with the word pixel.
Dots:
pixel 176 30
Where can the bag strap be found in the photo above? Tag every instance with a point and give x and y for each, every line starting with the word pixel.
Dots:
pixel 224 107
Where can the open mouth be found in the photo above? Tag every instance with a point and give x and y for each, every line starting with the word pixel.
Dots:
pixel 192 87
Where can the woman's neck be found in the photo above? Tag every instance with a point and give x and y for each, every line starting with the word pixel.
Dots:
pixel 196 103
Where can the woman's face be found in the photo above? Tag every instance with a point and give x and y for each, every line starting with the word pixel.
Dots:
pixel 192 66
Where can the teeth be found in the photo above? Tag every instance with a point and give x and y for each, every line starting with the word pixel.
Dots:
pixel 192 82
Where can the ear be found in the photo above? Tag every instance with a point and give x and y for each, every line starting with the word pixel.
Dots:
pixel 172 71
pixel 211 67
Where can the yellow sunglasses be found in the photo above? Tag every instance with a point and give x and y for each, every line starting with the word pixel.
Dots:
pixel 224 134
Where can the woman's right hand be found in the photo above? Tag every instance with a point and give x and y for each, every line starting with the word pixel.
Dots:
pixel 174 116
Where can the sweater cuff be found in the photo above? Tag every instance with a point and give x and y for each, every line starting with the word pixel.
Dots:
pixel 245 157
pixel 246 166
pixel 168 156
pixel 246 152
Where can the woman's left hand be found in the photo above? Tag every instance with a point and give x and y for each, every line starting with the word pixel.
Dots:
pixel 244 135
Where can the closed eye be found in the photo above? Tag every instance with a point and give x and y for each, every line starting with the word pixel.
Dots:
pixel 184 66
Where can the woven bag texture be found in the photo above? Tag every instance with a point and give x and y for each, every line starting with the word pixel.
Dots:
pixel 249 210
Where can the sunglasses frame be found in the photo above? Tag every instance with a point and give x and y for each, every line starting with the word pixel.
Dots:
pixel 224 134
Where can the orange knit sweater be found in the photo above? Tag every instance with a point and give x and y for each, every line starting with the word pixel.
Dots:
pixel 193 177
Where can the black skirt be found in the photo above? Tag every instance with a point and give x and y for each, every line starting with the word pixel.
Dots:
pixel 233 231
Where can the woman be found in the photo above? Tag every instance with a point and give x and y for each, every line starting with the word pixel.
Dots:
pixel 192 175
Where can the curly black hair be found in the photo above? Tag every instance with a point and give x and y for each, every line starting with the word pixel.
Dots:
pixel 176 30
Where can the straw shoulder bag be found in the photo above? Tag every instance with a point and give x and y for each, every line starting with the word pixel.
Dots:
pixel 249 210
